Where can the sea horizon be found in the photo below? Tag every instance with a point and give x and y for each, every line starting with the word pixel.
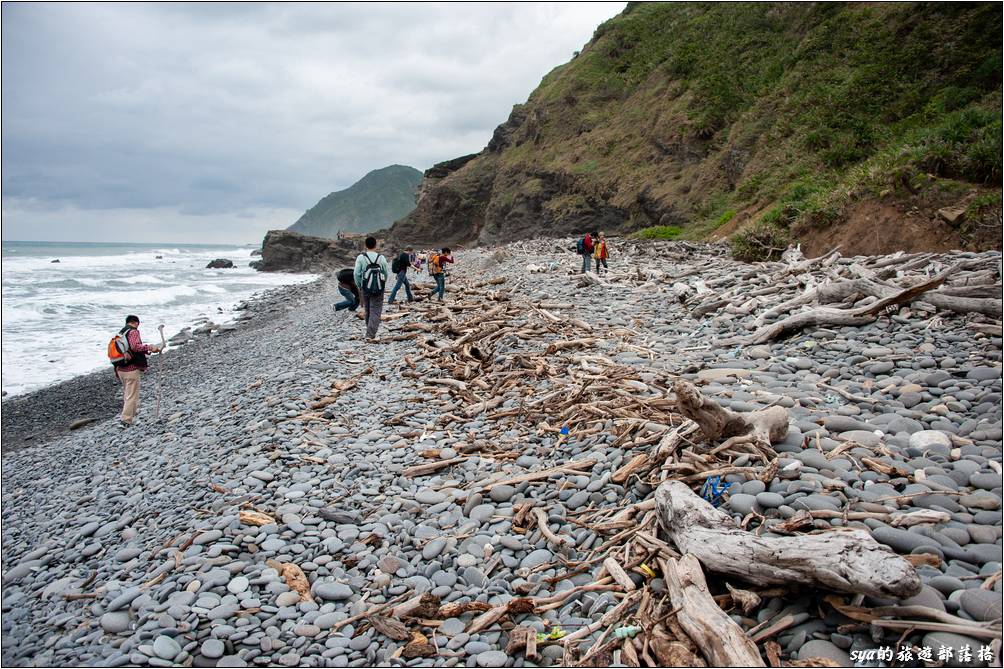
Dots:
pixel 117 243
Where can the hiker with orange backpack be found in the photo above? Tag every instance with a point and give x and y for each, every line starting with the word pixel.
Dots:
pixel 437 268
pixel 127 353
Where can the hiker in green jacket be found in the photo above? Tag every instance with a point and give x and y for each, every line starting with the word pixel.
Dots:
pixel 371 274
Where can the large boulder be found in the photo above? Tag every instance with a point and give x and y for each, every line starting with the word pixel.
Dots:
pixel 220 263
pixel 285 251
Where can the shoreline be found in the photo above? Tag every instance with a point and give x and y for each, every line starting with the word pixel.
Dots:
pixel 169 284
pixel 29 419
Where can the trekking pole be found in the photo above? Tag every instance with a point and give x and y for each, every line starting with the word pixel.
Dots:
pixel 163 345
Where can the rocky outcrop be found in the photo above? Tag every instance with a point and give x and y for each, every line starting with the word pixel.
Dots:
pixel 220 263
pixel 432 176
pixel 285 251
pixel 447 167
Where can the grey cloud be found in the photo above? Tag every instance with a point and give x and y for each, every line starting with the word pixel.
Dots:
pixel 220 108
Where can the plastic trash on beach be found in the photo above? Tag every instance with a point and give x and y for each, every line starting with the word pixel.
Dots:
pixel 562 435
pixel 555 634
pixel 629 631
pixel 713 490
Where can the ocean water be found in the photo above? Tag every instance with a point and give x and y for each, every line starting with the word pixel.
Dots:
pixel 58 317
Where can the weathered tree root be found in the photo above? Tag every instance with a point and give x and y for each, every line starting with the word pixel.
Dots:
pixel 829 316
pixel 843 560
pixel 767 426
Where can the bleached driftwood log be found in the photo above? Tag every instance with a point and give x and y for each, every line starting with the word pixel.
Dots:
pixel 766 425
pixel 719 638
pixel 828 316
pixel 844 560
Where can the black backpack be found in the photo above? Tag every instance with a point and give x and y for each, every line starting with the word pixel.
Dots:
pixel 373 278
pixel 400 263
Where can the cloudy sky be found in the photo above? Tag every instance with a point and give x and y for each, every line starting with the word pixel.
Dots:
pixel 206 122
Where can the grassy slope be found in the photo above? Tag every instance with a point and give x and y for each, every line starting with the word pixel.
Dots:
pixel 375 201
pixel 785 112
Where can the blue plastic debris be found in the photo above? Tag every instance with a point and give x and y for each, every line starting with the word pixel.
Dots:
pixel 713 489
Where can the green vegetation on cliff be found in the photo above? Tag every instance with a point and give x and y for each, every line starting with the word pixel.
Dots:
pixel 777 117
pixel 372 203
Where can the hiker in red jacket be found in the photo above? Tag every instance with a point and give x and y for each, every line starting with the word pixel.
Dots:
pixel 584 247
pixel 130 372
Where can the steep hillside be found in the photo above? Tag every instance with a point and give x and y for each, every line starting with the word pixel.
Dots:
pixel 771 121
pixel 375 201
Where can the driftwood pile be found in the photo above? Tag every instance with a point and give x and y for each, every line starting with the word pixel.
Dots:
pixel 677 565
pixel 849 291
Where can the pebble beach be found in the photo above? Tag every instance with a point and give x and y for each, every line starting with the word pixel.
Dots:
pixel 290 440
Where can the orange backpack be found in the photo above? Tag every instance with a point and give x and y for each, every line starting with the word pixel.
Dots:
pixel 118 350
pixel 435 265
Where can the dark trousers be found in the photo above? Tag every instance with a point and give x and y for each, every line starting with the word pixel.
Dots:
pixel 402 280
pixel 373 305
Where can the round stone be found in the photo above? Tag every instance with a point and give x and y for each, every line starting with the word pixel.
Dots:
pixel 482 513
pixel 212 649
pixel 332 591
pixel 452 627
pixel 502 493
pixel 115 622
pixel 492 658
pixel 930 439
pixel 825 649
pixel 742 503
pixel 769 500
pixel 429 497
pixel 536 558
pixel 165 647
pixel 238 585
pixel 982 605
pixel 577 500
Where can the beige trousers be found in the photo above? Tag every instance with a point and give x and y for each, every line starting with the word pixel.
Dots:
pixel 130 394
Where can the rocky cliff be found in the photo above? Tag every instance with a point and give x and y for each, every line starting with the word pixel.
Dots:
pixel 285 251
pixel 375 201
pixel 764 122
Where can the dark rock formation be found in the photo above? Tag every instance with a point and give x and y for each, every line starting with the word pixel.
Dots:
pixel 440 170
pixel 220 263
pixel 285 251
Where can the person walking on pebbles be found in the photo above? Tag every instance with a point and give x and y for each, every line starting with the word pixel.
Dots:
pixel 437 268
pixel 400 267
pixel 350 293
pixel 584 247
pixel 600 252
pixel 132 367
pixel 371 274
